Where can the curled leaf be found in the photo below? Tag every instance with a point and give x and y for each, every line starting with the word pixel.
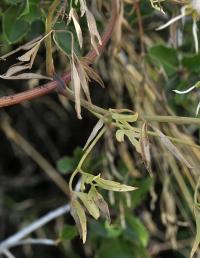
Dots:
pixel 129 118
pixel 145 147
pixel 120 135
pixel 86 179
pixel 100 202
pixel 132 138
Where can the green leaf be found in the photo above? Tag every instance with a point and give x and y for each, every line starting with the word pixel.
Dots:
pixel 113 231
pixel 13 2
pixel 35 13
pixel 192 63
pixel 119 248
pixel 144 186
pixel 63 39
pixel 66 165
pixel 165 57
pixel 25 8
pixel 137 230
pixel 14 28
pixel 68 233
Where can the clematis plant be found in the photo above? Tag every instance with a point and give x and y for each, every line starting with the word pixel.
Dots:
pixel 190 8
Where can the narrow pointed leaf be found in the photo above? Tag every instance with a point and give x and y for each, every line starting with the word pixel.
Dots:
pixel 172 148
pixel 84 82
pixel 77 89
pixel 112 185
pixel 145 147
pixel 75 19
pixel 94 132
pixel 16 69
pixel 100 202
pixel 79 216
pixel 25 76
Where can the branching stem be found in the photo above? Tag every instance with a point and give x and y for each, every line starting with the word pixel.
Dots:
pixel 86 153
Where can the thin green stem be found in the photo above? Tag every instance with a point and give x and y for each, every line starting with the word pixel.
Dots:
pixel 86 153
pixel 48 27
pixel 106 119
pixel 171 119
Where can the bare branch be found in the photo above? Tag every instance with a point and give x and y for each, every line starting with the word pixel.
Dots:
pixel 14 239
pixel 52 86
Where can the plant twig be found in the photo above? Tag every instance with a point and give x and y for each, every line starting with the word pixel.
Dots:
pixel 172 119
pixel 38 241
pixel 52 86
pixel 8 254
pixel 86 153
pixel 12 240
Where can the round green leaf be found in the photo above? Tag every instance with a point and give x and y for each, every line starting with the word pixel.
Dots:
pixel 14 28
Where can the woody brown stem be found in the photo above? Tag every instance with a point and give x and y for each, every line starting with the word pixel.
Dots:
pixel 52 86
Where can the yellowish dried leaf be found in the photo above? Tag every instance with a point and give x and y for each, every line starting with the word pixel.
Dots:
pixel 94 132
pixel 94 34
pixel 16 69
pixel 25 76
pixel 100 202
pixel 79 216
pixel 84 82
pixel 112 185
pixel 73 15
pixel 172 148
pixel 30 55
pixel 89 204
pixel 145 147
pixel 77 89
pixel 120 135
pixel 26 46
pixel 83 7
